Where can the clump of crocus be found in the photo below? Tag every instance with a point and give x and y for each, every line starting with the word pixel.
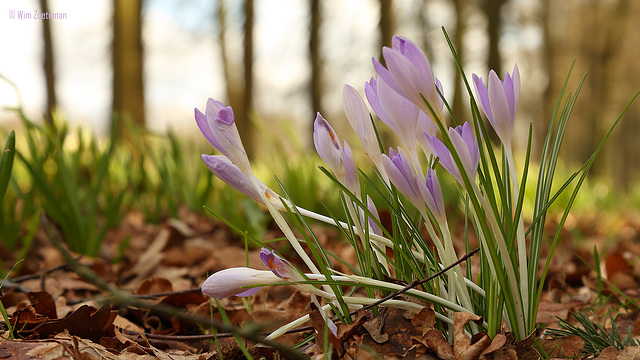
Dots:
pixel 408 98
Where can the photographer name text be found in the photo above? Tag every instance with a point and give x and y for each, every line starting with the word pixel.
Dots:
pixel 36 15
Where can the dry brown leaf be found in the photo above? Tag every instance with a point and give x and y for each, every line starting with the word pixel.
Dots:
pixel 498 342
pixel 548 312
pixel 463 349
pixel 609 353
pixel 43 303
pixel 154 285
pixel 150 258
pixel 630 353
pixel 436 342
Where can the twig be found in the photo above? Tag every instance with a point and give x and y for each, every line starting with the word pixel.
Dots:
pixel 122 298
pixel 417 282
pixel 140 296
pixel 410 286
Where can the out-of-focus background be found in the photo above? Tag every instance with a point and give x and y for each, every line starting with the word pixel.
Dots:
pixel 283 60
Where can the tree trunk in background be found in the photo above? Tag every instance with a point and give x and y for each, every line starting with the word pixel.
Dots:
pixel 245 128
pixel 49 69
pixel 127 51
pixel 315 86
pixel 541 125
pixel 492 9
pixel 385 26
pixel 232 74
pixel 459 104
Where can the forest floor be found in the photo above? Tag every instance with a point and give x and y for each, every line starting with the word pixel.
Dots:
pixel 57 314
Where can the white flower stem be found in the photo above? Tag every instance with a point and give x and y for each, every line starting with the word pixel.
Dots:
pixel 502 247
pixel 521 242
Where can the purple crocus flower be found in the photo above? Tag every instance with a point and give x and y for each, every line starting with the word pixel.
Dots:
pixel 499 101
pixel 400 114
pixel 465 145
pixel 338 158
pixel 328 146
pixel 218 126
pixel 351 180
pixel 359 118
pixel 371 206
pixel 408 72
pixel 432 195
pixel 228 172
pixel 233 282
pixel 279 266
pixel 403 175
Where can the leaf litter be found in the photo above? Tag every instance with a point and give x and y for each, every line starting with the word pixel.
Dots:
pixel 56 314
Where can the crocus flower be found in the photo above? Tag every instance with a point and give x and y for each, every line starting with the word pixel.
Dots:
pixel 228 172
pixel 218 126
pixel 425 125
pixel 328 146
pixel 339 158
pixel 465 145
pixel 279 266
pixel 371 206
pixel 359 118
pixel 408 72
pixel 351 179
pixel 403 175
pixel 432 195
pixel 233 282
pixel 396 111
pixel 499 101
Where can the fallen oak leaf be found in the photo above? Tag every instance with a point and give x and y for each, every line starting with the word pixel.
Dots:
pixel 498 342
pixel 462 347
pixel 43 303
pixel 435 341
pixel 86 322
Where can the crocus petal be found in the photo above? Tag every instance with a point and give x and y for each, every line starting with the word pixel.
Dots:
pixel 465 145
pixel 499 101
pixel 279 266
pixel 425 125
pixel 403 175
pixel 409 73
pixel 371 206
pixel 359 118
pixel 233 281
pixel 352 182
pixel 228 172
pixel 439 149
pixel 221 131
pixel 432 195
pixel 327 145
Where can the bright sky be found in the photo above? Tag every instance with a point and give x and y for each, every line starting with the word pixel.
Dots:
pixel 182 60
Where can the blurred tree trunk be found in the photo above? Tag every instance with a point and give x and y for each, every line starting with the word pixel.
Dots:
pixel 459 105
pixel 541 125
pixel 385 26
pixel 315 86
pixel 492 10
pixel 245 128
pixel 49 69
pixel 233 76
pixel 127 51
